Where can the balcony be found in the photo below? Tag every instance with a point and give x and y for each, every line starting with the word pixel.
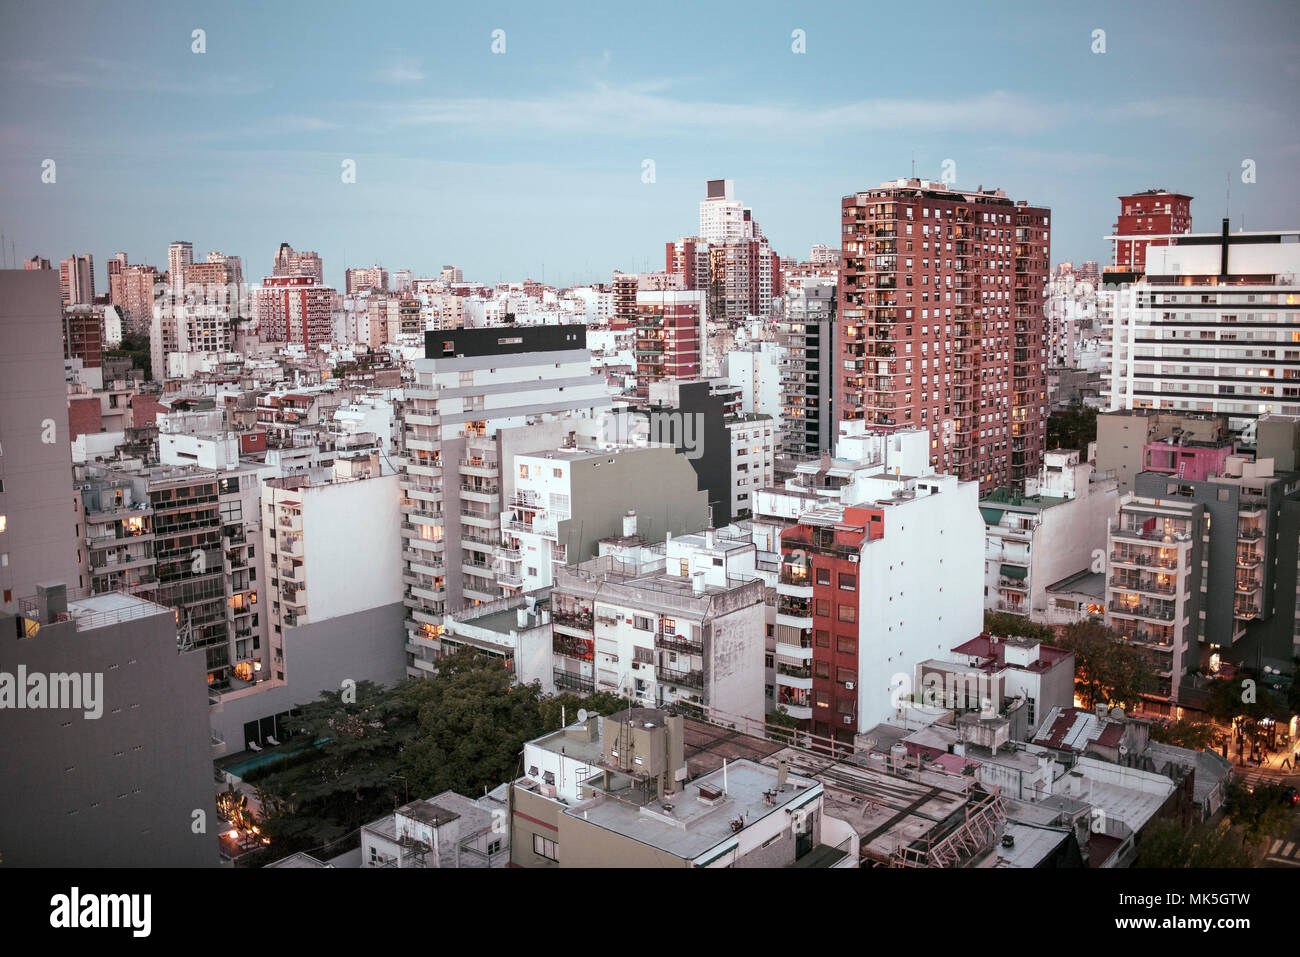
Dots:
pixel 1149 612
pixel 577 621
pixel 679 644
pixel 1142 585
pixel 688 679
pixel 1142 560
pixel 801 711
pixel 482 492
pixel 568 681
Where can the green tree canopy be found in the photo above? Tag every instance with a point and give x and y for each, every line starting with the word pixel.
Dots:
pixel 1261 814
pixel 1166 843
pixel 1105 670
pixel 1006 625
pixel 1185 734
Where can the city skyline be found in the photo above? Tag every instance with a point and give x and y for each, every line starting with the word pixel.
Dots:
pixel 242 147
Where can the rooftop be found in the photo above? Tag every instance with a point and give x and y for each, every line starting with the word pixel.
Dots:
pixel 1085 582
pixel 686 825
pixel 100 611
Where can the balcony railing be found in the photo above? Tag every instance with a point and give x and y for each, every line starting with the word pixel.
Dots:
pixel 793 671
pixel 679 644
pixel 567 681
pixel 689 679
pixel 1143 611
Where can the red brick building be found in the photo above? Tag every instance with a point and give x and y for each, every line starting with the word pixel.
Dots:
pixel 295 309
pixel 818 622
pixel 941 323
pixel 669 336
pixel 1156 212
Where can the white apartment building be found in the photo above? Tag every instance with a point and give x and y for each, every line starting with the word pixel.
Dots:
pixel 1213 326
pixel 753 458
pixel 479 396
pixel 1055 529
pixel 685 629
pixel 756 371
pixel 567 499
pixel 330 544
pixel 867 591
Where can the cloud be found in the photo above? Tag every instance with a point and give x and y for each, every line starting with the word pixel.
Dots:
pixel 128 76
pixel 400 71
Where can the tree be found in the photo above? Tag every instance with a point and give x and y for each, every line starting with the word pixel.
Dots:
pixel 566 707
pixel 1105 670
pixel 782 719
pixel 1185 734
pixel 1006 625
pixel 134 346
pixel 1262 814
pixel 471 725
pixel 1166 843
pixel 1072 428
pixel 343 777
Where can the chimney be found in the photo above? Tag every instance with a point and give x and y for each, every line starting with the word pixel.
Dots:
pixel 708 539
pixel 697 584
pixel 546 616
pixel 782 769
pixel 629 524
pixel 521 616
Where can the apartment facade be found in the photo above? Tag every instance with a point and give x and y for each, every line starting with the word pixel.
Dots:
pixel 1157 213
pixel 295 308
pixel 566 500
pixel 1045 535
pixel 1213 327
pixel 868 590
pixel 77 278
pixel 478 397
pixel 685 629
pixel 806 344
pixel 670 337
pixel 941 324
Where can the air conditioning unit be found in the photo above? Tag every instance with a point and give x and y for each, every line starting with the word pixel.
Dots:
pixel 848 719
pixel 853 558
pixel 848 685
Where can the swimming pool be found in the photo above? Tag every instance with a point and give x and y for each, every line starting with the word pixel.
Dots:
pixel 240 768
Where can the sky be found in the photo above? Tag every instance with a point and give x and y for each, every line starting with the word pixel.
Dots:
pixel 532 162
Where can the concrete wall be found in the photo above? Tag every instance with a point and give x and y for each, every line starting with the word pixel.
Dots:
pixel 531 814
pixel 657 483
pixel 352 545
pixel 37 501
pixel 365 646
pixel 120 790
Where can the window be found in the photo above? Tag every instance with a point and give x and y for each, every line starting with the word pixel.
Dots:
pixel 823 639
pixel 641 624
pixel 823 607
pixel 844 675
pixel 846 645
pixel 823 576
pixel 544 848
pixel 494 848
pixel 822 669
pixel 848 581
pixel 848 613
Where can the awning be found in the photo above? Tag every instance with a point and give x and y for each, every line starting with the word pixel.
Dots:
pixel 1015 571
pixel 991 515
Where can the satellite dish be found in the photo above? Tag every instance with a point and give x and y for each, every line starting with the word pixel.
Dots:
pixel 582 714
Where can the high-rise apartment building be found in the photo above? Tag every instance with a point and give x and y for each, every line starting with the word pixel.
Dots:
pixel 478 397
pixel 295 308
pixel 36 262
pixel 291 262
pixel 83 335
pixel 373 277
pixel 179 255
pixel 77 275
pixel 941 323
pixel 806 344
pixel 133 290
pixel 688 257
pixel 670 337
pixel 1154 213
pixel 1212 327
